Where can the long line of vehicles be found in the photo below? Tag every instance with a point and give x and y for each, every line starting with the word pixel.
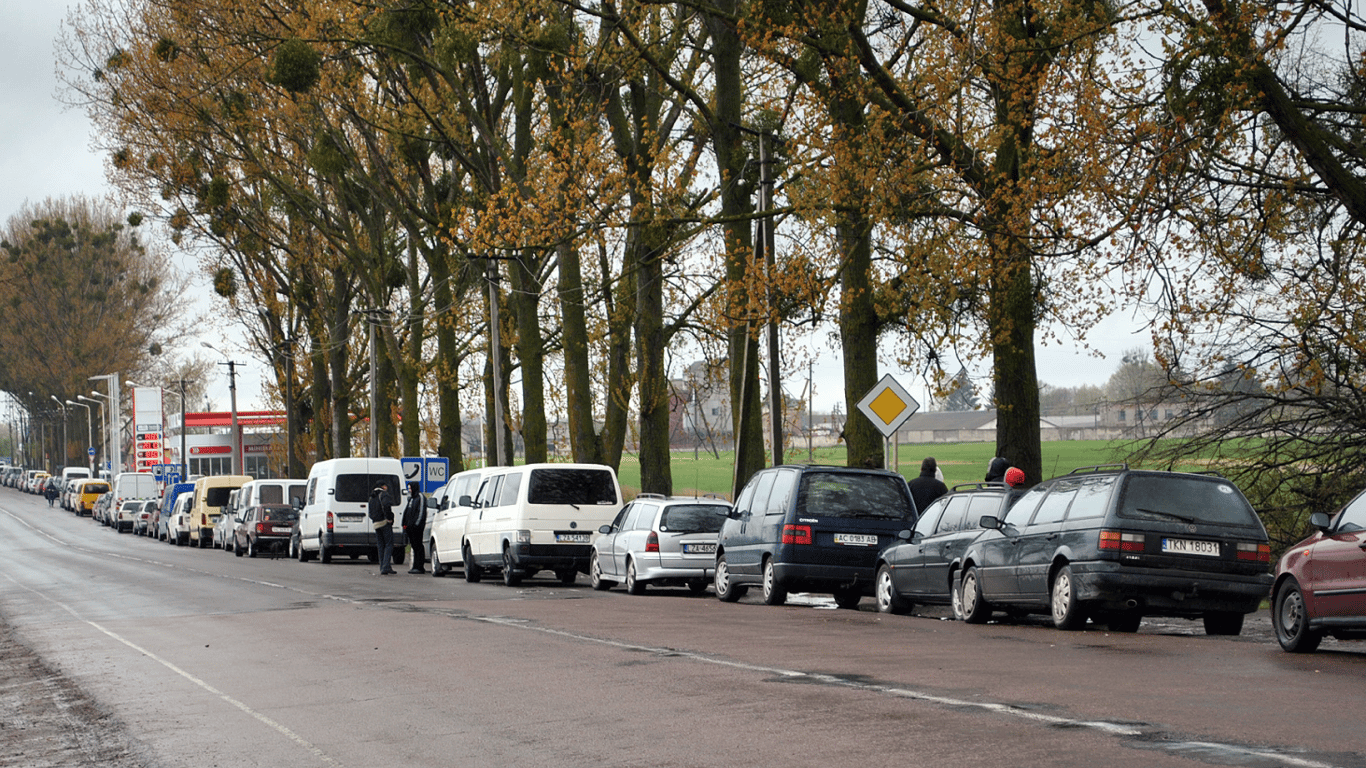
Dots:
pixel 1108 545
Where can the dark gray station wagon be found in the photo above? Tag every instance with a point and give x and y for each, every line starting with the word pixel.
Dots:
pixel 1116 545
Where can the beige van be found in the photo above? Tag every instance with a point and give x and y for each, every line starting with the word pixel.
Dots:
pixel 210 495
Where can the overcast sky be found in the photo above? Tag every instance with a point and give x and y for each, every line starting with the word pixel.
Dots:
pixel 45 151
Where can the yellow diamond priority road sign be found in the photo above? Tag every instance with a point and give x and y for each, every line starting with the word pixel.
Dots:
pixel 888 405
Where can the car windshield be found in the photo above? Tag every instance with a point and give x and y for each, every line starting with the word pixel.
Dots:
pixel 1186 499
pixel 571 486
pixel 849 494
pixel 692 518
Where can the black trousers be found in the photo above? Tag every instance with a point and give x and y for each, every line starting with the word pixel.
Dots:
pixel 419 550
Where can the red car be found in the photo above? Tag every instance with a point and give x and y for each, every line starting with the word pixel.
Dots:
pixel 1320 586
pixel 265 528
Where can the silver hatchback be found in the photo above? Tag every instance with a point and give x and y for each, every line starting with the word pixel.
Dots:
pixel 659 541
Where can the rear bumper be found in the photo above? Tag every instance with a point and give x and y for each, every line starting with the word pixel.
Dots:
pixel 1167 592
pixel 348 540
pixel 551 557
pixel 798 577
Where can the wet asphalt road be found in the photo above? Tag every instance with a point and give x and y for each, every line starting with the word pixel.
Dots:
pixel 214 660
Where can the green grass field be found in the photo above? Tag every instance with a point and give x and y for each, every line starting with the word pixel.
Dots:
pixel 960 462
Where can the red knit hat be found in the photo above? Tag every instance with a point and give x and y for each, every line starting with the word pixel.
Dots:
pixel 1015 477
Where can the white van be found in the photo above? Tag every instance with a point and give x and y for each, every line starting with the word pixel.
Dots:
pixel 126 487
pixel 447 512
pixel 538 517
pixel 278 490
pixel 334 519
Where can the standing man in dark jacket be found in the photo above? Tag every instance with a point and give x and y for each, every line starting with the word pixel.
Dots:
pixel 381 513
pixel 926 488
pixel 414 523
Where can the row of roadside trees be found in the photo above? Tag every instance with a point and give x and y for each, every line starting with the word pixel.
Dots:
pixel 575 186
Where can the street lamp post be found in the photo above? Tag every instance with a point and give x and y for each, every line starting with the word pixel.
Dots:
pixel 66 445
pixel 104 427
pixel 238 465
pixel 89 433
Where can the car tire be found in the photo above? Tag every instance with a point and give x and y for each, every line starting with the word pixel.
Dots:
pixel 293 548
pixel 567 576
pixel 595 579
pixel 774 594
pixel 251 548
pixel 1068 615
pixel 237 551
pixel 727 591
pixel 473 573
pixel 1290 618
pixel 510 576
pixel 1223 623
pixel 633 585
pixel 968 604
pixel 697 586
pixel 324 552
pixel 438 568
pixel 888 600
pixel 848 599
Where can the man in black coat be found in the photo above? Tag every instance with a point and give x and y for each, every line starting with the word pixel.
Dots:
pixel 414 523
pixel 380 510
pixel 926 488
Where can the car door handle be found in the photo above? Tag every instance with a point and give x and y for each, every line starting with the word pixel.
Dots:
pixel 1050 537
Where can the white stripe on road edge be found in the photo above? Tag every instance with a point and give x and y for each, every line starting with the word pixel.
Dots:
pixel 1114 729
pixel 286 732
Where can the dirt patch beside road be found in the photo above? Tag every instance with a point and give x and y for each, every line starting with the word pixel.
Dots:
pixel 46 721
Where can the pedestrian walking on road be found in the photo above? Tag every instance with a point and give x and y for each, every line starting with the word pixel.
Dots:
pixel 414 524
pixel 381 513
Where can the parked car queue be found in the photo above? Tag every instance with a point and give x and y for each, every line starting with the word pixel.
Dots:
pixel 1108 545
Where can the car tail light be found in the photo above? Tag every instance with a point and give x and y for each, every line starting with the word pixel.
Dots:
pixel 260 527
pixel 330 521
pixel 652 542
pixel 796 534
pixel 1257 553
pixel 204 519
pixel 1121 542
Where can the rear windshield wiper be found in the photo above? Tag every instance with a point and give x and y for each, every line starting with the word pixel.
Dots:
pixel 1160 513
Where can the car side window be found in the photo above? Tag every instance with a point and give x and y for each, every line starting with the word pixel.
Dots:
pixel 982 504
pixel 642 518
pixel 745 498
pixel 488 492
pixel 1092 498
pixel 1054 505
pixel 954 515
pixel 1353 517
pixel 313 490
pixel 780 497
pixel 925 525
pixel 620 520
pixel 511 485
pixel 762 490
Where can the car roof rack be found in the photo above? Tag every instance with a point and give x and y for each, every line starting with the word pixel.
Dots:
pixel 651 496
pixel 990 485
pixel 1098 468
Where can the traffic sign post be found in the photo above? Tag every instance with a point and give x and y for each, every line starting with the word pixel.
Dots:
pixel 429 472
pixel 888 405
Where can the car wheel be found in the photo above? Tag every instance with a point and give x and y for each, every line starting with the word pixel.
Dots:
pixel 473 573
pixel 1223 623
pixel 888 601
pixel 968 604
pixel 567 576
pixel 773 594
pixel 236 551
pixel 1290 618
pixel 1067 612
pixel 510 576
pixel 1127 621
pixel 438 570
pixel 324 552
pixel 727 591
pixel 697 586
pixel 633 585
pixel 400 554
pixel 293 548
pixel 251 548
pixel 848 599
pixel 371 556
pixel 595 578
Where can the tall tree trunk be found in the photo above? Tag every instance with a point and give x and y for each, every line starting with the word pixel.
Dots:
pixel 655 475
pixel 526 295
pixel 447 368
pixel 620 313
pixel 339 347
pixel 410 369
pixel 584 442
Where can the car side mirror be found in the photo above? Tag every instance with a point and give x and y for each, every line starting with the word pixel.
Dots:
pixel 605 529
pixel 989 521
pixel 466 501
pixel 729 514
pixel 1321 520
pixel 904 535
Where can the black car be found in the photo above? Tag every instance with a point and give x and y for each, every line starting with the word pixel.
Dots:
pixel 1116 544
pixel 923 566
pixel 810 529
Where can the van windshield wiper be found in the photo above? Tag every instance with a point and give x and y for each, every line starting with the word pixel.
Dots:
pixel 1160 513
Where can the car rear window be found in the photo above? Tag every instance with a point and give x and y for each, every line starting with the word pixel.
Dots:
pixel 95 488
pixel 217 497
pixel 271 494
pixel 841 494
pixel 280 515
pixel 356 488
pixel 692 518
pixel 1186 499
pixel 571 486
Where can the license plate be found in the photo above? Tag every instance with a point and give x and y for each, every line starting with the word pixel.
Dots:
pixel 345 518
pixel 573 538
pixel 699 549
pixel 856 539
pixel 1190 547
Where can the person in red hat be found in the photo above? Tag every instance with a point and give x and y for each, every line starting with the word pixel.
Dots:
pixel 1015 477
